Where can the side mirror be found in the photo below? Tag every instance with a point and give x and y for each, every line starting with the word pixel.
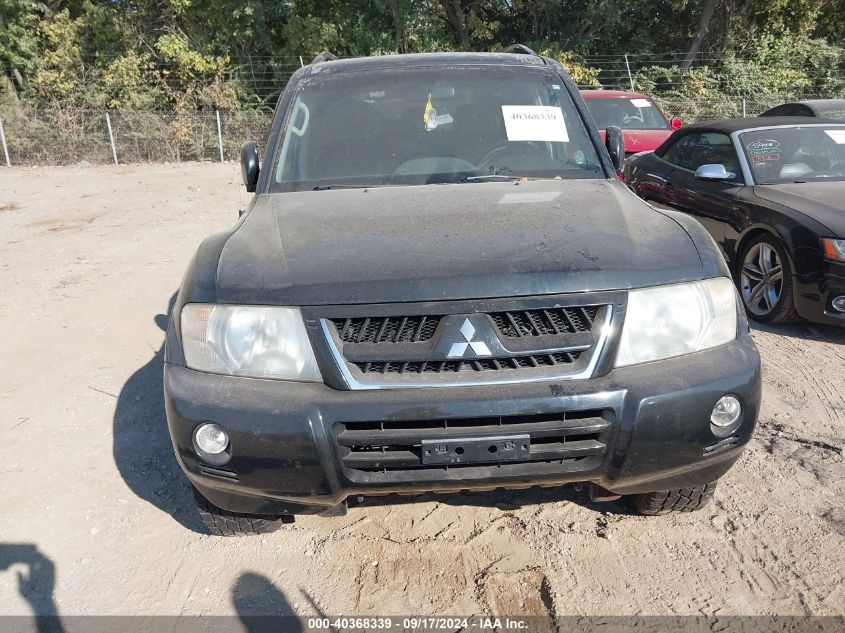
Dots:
pixel 615 143
pixel 249 166
pixel 713 172
pixel 676 123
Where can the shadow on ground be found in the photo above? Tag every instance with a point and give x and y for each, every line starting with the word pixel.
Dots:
pixel 262 607
pixel 35 583
pixel 142 450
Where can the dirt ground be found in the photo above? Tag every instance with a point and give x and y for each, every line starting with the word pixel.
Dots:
pixel 96 518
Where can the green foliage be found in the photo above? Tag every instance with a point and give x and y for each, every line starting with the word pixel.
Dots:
pixel 310 35
pixel 797 63
pixel 791 65
pixel 599 28
pixel 59 71
pixel 575 65
pixel 131 83
pixel 185 55
pixel 686 91
pixel 775 69
pixel 188 63
pixel 18 41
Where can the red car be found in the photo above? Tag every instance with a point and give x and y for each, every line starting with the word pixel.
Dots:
pixel 645 126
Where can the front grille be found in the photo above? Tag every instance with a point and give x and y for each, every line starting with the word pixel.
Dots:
pixel 468 342
pixel 386 329
pixel 371 450
pixel 519 323
pixel 488 364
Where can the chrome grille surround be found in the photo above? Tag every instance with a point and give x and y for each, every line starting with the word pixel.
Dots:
pixel 406 364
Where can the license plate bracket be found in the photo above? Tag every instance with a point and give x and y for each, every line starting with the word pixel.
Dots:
pixel 476 450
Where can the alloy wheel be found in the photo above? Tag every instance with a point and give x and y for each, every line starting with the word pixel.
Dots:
pixel 761 278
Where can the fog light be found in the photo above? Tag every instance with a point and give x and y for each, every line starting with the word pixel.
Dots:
pixel 726 411
pixel 839 303
pixel 211 439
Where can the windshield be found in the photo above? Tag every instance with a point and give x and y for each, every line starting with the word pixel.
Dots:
pixel 629 114
pixel 796 154
pixel 432 125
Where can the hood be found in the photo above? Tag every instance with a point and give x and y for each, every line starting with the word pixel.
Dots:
pixel 824 202
pixel 642 140
pixel 454 241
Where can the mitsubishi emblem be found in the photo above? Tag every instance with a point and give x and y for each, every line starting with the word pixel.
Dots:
pixel 458 350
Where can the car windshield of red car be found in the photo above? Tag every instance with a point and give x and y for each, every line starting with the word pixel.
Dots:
pixel 629 114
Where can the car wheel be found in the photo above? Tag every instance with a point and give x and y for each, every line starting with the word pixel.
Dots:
pixel 223 523
pixel 677 500
pixel 765 281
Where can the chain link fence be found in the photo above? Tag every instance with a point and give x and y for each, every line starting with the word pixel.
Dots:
pixel 70 136
pixel 727 107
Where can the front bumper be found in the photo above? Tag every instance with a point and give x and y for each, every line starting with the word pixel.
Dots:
pixel 814 295
pixel 285 458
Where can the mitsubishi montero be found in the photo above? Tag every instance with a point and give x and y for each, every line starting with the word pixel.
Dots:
pixel 441 284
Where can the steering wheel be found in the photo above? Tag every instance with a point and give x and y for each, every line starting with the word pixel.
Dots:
pixel 630 118
pixel 411 158
pixel 508 148
pixel 814 162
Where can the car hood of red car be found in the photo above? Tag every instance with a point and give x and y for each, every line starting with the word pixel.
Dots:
pixel 642 140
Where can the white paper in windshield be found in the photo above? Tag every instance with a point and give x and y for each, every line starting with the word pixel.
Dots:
pixel 641 103
pixel 535 123
pixel 838 136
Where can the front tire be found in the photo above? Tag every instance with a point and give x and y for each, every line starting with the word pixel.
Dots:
pixel 765 284
pixel 223 523
pixel 676 500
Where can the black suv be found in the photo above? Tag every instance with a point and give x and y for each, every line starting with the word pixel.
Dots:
pixel 440 285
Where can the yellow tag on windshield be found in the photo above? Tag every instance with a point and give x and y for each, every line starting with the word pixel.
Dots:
pixel 430 115
pixel 432 119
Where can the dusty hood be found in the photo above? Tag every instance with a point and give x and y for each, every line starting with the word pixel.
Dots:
pixel 822 201
pixel 460 241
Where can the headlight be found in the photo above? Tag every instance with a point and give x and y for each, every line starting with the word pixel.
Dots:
pixel 833 249
pixel 672 320
pixel 255 341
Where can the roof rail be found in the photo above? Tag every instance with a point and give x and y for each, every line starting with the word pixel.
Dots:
pixel 518 49
pixel 325 56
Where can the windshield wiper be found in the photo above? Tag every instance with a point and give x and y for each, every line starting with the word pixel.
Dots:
pixel 328 187
pixel 491 177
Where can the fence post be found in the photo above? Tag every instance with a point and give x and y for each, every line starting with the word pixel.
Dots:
pixel 5 148
pixel 111 139
pixel 219 135
pixel 744 110
pixel 628 66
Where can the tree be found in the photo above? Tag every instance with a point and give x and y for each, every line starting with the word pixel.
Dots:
pixel 239 53
pixel 460 15
pixel 707 8
pixel 18 40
